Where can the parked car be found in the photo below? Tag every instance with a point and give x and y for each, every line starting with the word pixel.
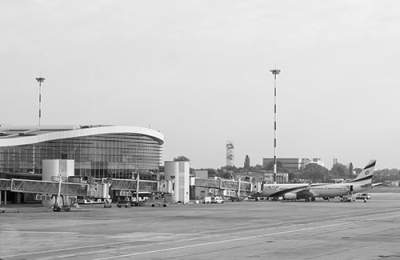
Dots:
pixel 217 200
pixel 363 196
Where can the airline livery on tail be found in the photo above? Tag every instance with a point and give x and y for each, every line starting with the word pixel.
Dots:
pixel 310 191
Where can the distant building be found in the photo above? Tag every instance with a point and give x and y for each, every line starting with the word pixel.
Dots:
pixel 314 160
pixel 293 164
pixel 280 177
pixel 202 174
pixel 261 176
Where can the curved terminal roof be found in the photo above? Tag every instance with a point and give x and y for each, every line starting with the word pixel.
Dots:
pixel 25 135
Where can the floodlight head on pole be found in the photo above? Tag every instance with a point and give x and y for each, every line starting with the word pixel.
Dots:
pixel 40 80
pixel 275 72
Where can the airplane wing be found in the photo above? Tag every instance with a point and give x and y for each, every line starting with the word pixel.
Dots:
pixel 376 184
pixel 306 192
pixel 295 189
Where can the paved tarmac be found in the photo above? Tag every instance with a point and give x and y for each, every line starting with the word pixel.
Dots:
pixel 233 230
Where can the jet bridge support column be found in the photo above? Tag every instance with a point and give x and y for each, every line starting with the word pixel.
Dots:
pixel 5 197
pixel 239 187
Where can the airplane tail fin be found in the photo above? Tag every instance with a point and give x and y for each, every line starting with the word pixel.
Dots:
pixel 367 173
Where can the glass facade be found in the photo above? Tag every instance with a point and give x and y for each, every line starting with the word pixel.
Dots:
pixel 117 155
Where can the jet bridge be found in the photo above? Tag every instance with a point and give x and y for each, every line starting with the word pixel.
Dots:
pixel 128 184
pixel 98 188
pixel 223 184
pixel 46 187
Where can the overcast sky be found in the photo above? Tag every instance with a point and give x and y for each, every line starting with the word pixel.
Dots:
pixel 199 72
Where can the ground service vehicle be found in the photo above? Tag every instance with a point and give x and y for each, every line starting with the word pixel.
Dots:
pixel 363 196
pixel 141 202
pixel 207 200
pixel 107 203
pixel 156 202
pixel 84 201
pixel 346 199
pixel 63 207
pixel 124 203
pixel 156 199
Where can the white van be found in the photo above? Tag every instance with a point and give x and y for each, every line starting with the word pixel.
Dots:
pixel 217 200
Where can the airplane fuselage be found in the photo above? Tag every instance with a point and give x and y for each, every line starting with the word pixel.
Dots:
pixel 326 190
pixel 337 189
pixel 313 190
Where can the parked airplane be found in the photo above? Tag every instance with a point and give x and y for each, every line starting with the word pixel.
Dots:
pixel 310 191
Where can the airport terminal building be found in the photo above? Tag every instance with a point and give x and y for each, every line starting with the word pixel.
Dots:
pixel 99 151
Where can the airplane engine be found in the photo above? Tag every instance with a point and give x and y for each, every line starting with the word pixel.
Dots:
pixel 290 196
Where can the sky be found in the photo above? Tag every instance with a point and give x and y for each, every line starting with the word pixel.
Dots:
pixel 199 72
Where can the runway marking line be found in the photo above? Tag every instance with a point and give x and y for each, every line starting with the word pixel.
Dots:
pixel 37 232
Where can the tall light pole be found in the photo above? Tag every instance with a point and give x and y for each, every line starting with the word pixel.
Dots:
pixel 40 80
pixel 275 72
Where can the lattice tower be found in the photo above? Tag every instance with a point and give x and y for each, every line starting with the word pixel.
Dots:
pixel 230 154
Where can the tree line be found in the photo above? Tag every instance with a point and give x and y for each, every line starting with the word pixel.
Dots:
pixel 311 172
